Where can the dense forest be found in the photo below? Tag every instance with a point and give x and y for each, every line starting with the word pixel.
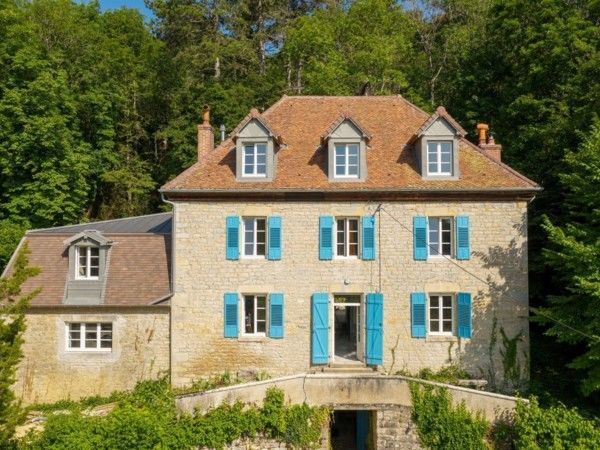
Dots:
pixel 98 109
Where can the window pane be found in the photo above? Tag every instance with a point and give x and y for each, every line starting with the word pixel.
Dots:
pixel 249 159
pixel 340 149
pixel 447 326
pixel 261 149
pixel 261 159
pixel 447 314
pixel 353 160
pixel 248 169
pixel 447 301
pixel 432 167
pixel 94 252
pixel 434 325
pixel 353 170
pixel 446 168
pixel 340 160
pixel 94 272
pixel 340 170
pixel 249 313
pixel 434 300
pixel 434 313
pixel 261 326
pixel 106 344
pixel 249 150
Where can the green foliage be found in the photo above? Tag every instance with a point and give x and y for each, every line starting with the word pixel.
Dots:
pixel 574 252
pixel 448 374
pixel 442 425
pixel 553 428
pixel 12 325
pixel 147 418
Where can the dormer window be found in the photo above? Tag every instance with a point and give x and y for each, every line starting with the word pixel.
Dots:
pixel 439 157
pixel 347 160
pixel 87 262
pixel 255 159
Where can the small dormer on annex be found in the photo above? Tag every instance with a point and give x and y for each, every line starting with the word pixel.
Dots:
pixel 346 142
pixel 256 144
pixel 88 256
pixel 436 146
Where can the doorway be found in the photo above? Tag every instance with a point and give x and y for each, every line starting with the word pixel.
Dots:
pixel 350 430
pixel 347 329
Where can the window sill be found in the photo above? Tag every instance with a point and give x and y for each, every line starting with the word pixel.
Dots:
pixel 441 338
pixel 438 259
pixel 252 338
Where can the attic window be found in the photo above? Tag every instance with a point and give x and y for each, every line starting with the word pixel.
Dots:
pixel 346 160
pixel 87 262
pixel 439 157
pixel 255 159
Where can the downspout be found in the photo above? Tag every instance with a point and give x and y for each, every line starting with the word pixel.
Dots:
pixel 172 286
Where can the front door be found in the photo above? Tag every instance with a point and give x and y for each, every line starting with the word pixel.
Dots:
pixel 348 337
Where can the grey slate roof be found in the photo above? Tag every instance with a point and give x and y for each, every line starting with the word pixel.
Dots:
pixel 152 224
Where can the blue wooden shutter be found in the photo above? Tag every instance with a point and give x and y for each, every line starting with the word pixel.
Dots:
pixel 420 238
pixel 274 250
pixel 325 237
pixel 374 329
pixel 463 246
pixel 368 238
pixel 232 236
pixel 230 315
pixel 464 314
pixel 276 315
pixel 418 305
pixel 362 429
pixel 320 328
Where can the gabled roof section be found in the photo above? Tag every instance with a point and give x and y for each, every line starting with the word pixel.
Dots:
pixel 87 235
pixel 255 115
pixel 441 112
pixel 152 223
pixel 340 120
pixel 302 165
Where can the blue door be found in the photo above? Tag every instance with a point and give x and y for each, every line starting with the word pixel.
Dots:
pixel 362 429
pixel 320 328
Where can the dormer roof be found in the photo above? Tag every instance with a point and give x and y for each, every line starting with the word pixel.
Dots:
pixel 87 236
pixel 339 121
pixel 255 115
pixel 441 113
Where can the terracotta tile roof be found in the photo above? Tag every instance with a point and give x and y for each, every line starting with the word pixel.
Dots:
pixel 391 163
pixel 137 274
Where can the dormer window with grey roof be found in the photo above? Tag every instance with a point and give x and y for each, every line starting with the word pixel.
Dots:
pixel 346 142
pixel 436 147
pixel 255 143
pixel 88 260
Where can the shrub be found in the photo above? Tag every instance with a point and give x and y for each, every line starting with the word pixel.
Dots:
pixel 556 427
pixel 441 425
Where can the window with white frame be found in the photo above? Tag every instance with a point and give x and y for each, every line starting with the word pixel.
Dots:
pixel 439 157
pixel 346 237
pixel 441 314
pixel 347 160
pixel 255 315
pixel 255 159
pixel 89 336
pixel 254 232
pixel 440 236
pixel 87 262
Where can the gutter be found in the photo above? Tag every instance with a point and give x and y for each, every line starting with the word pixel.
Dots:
pixel 343 191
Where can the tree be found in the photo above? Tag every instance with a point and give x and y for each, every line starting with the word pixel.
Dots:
pixel 13 306
pixel 574 254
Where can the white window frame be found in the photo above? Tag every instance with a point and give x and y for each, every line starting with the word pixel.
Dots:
pixel 440 308
pixel 430 252
pixel 254 254
pixel 82 329
pixel 346 164
pixel 347 240
pixel 88 266
pixel 438 152
pixel 254 172
pixel 255 315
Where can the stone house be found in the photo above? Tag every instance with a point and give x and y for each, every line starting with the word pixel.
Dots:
pixel 325 233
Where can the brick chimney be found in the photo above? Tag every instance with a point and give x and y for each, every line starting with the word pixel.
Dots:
pixel 206 137
pixel 487 144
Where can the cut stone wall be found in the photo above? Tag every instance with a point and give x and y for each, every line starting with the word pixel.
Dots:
pixel 49 373
pixel 203 275
pixel 396 430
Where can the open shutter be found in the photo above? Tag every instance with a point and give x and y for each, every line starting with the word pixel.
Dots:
pixel 232 236
pixel 463 245
pixel 230 315
pixel 464 314
pixel 374 330
pixel 418 304
pixel 274 251
pixel 325 237
pixel 362 429
pixel 420 238
pixel 320 328
pixel 276 315
pixel 368 238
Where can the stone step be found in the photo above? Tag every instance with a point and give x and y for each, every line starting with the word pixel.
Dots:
pixel 345 368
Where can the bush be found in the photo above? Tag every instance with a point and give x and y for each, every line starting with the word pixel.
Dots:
pixel 556 427
pixel 441 425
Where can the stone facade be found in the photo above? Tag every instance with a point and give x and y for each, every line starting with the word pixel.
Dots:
pixel 396 430
pixel 49 372
pixel 202 275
